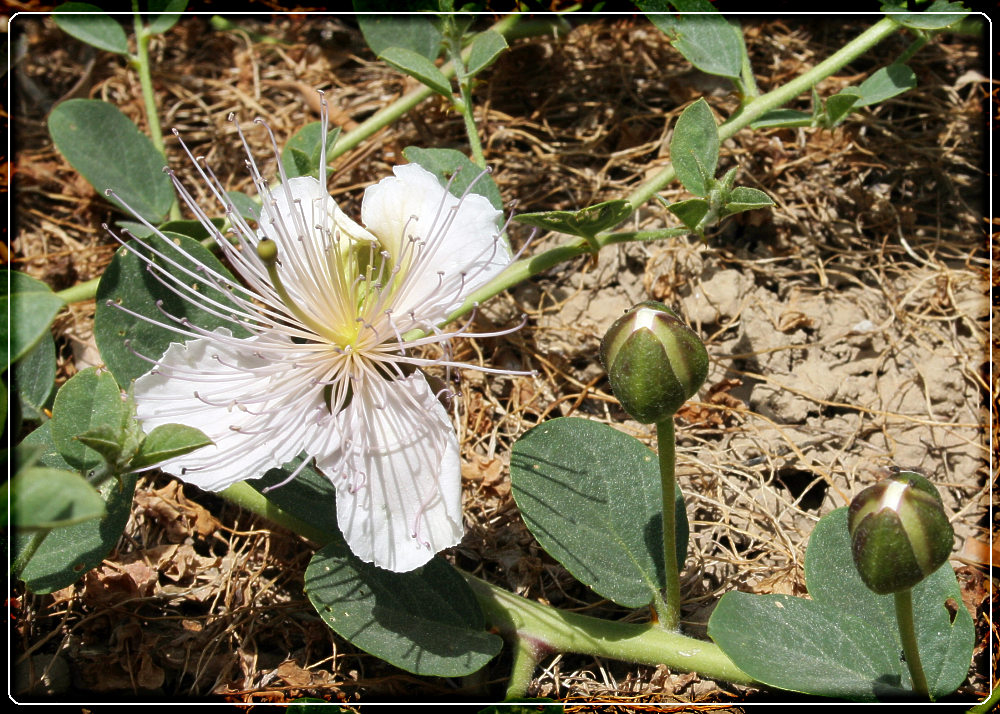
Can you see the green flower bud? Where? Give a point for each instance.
(899, 532)
(655, 362)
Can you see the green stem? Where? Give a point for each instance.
(142, 67)
(779, 97)
(549, 630)
(670, 619)
(527, 267)
(80, 291)
(464, 104)
(987, 706)
(748, 83)
(913, 48)
(401, 106)
(907, 633)
(248, 498)
(522, 670)
(471, 130)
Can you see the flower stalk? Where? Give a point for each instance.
(671, 617)
(903, 601)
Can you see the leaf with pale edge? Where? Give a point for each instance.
(591, 497)
(844, 642)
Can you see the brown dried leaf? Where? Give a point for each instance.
(172, 511)
(293, 674)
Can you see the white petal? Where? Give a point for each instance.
(414, 203)
(167, 396)
(308, 199)
(399, 495)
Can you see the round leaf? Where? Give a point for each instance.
(31, 305)
(591, 496)
(44, 498)
(426, 621)
(128, 283)
(110, 152)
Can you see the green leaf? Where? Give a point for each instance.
(839, 105)
(92, 26)
(301, 155)
(709, 42)
(449, 163)
(296, 162)
(485, 48)
(247, 208)
(34, 378)
(32, 305)
(886, 83)
(426, 621)
(167, 441)
(111, 153)
(136, 229)
(778, 118)
(844, 642)
(168, 12)
(591, 497)
(310, 496)
(690, 212)
(105, 440)
(415, 32)
(37, 448)
(67, 553)
(127, 282)
(43, 498)
(694, 147)
(587, 222)
(744, 198)
(417, 66)
(928, 19)
(89, 399)
(186, 227)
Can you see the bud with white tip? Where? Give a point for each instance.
(899, 532)
(655, 362)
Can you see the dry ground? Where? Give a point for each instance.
(847, 329)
